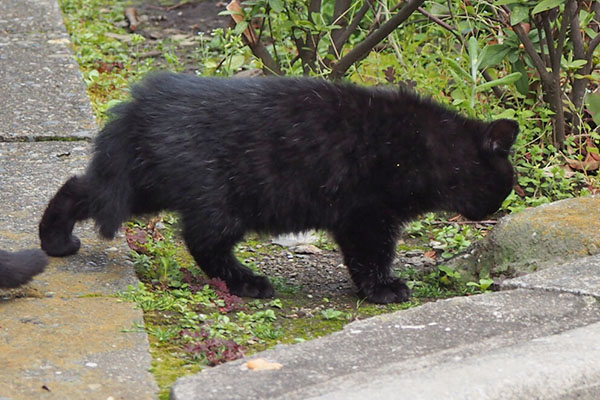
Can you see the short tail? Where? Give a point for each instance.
(103, 193)
(18, 268)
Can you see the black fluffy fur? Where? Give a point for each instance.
(18, 268)
(284, 155)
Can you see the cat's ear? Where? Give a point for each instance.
(500, 136)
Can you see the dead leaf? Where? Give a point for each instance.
(455, 218)
(131, 15)
(261, 364)
(306, 249)
(249, 73)
(238, 16)
(136, 239)
(593, 190)
(59, 41)
(390, 74)
(180, 37)
(103, 67)
(519, 191)
(122, 38)
(590, 145)
(568, 171)
(431, 254)
(589, 164)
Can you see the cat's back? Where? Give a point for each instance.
(263, 94)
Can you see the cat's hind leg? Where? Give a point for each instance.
(69, 205)
(368, 243)
(213, 251)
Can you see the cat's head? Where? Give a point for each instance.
(486, 176)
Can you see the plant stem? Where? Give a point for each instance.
(363, 48)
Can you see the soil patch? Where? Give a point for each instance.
(321, 274)
(187, 17)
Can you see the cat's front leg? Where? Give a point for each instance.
(368, 243)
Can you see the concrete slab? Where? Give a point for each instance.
(41, 16)
(73, 348)
(420, 339)
(66, 338)
(31, 174)
(43, 94)
(543, 368)
(580, 277)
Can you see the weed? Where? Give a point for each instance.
(332, 313)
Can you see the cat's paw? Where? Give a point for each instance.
(392, 291)
(61, 248)
(252, 286)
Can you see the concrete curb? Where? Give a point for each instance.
(415, 347)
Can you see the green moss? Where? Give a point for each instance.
(168, 366)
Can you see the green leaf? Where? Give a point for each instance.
(522, 84)
(576, 64)
(506, 80)
(276, 5)
(485, 283)
(593, 105)
(518, 15)
(475, 57)
(506, 2)
(454, 65)
(546, 5)
(236, 62)
(493, 55)
(230, 12)
(508, 113)
(240, 27)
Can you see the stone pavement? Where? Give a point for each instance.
(65, 338)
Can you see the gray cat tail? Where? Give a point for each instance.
(19, 267)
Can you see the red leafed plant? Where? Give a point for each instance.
(230, 302)
(213, 350)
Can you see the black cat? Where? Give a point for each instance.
(18, 268)
(284, 155)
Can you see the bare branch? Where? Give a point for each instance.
(577, 38)
(438, 21)
(307, 49)
(340, 17)
(530, 49)
(270, 67)
(363, 48)
(345, 35)
(538, 20)
(577, 85)
(570, 9)
(592, 46)
(596, 10)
